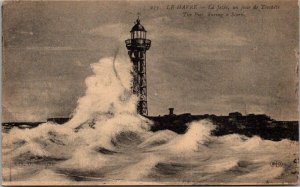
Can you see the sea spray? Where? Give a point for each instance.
(198, 133)
(106, 140)
(107, 109)
(106, 94)
(158, 138)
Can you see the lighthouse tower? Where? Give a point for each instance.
(137, 46)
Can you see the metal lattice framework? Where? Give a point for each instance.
(137, 47)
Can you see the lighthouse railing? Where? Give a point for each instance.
(138, 43)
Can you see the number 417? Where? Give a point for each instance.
(154, 7)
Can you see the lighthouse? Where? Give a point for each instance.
(137, 46)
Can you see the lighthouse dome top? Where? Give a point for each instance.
(138, 26)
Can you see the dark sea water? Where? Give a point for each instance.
(133, 156)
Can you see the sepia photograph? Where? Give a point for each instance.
(150, 92)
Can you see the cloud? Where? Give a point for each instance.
(7, 115)
(25, 32)
(164, 29)
(51, 48)
(118, 31)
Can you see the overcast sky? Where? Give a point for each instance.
(196, 64)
